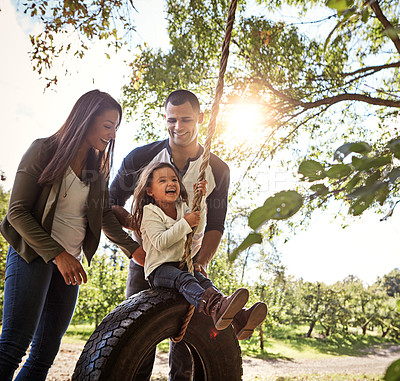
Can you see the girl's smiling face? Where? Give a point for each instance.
(165, 187)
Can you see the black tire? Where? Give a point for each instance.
(127, 334)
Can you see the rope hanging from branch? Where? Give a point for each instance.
(187, 258)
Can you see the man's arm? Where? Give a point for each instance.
(209, 246)
(217, 204)
(123, 216)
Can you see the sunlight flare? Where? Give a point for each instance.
(243, 123)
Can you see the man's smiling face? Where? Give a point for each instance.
(183, 124)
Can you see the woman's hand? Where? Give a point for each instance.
(192, 218)
(70, 268)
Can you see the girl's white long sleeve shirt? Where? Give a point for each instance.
(164, 237)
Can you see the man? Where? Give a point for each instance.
(183, 118)
(181, 149)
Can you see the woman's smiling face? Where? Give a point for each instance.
(102, 130)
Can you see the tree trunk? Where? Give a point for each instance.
(364, 329)
(385, 331)
(261, 338)
(327, 331)
(312, 325)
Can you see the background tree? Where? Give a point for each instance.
(386, 313)
(105, 288)
(313, 89)
(4, 199)
(71, 26)
(314, 81)
(391, 282)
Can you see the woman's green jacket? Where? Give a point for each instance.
(28, 223)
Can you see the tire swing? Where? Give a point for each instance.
(116, 349)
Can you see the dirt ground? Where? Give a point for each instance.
(373, 363)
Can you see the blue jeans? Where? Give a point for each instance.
(190, 286)
(180, 357)
(38, 307)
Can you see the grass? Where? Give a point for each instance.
(284, 343)
(289, 343)
(78, 333)
(318, 377)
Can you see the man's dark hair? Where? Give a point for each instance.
(179, 97)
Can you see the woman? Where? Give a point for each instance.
(58, 206)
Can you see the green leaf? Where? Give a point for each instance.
(364, 15)
(394, 145)
(278, 207)
(366, 191)
(367, 163)
(357, 161)
(342, 152)
(348, 148)
(250, 240)
(382, 194)
(352, 183)
(394, 174)
(311, 170)
(259, 216)
(392, 33)
(358, 206)
(320, 189)
(372, 179)
(381, 161)
(338, 171)
(347, 13)
(339, 5)
(393, 372)
(360, 147)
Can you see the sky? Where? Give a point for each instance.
(324, 252)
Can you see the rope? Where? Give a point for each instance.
(187, 258)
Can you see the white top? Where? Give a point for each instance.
(189, 178)
(70, 221)
(163, 237)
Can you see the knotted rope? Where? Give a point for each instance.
(187, 257)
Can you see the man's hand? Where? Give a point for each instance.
(209, 246)
(139, 255)
(70, 268)
(201, 268)
(201, 186)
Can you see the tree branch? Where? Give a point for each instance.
(374, 4)
(351, 97)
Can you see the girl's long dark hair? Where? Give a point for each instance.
(141, 198)
(64, 144)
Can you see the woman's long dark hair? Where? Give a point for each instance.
(141, 198)
(65, 143)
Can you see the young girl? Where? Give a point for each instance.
(162, 218)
